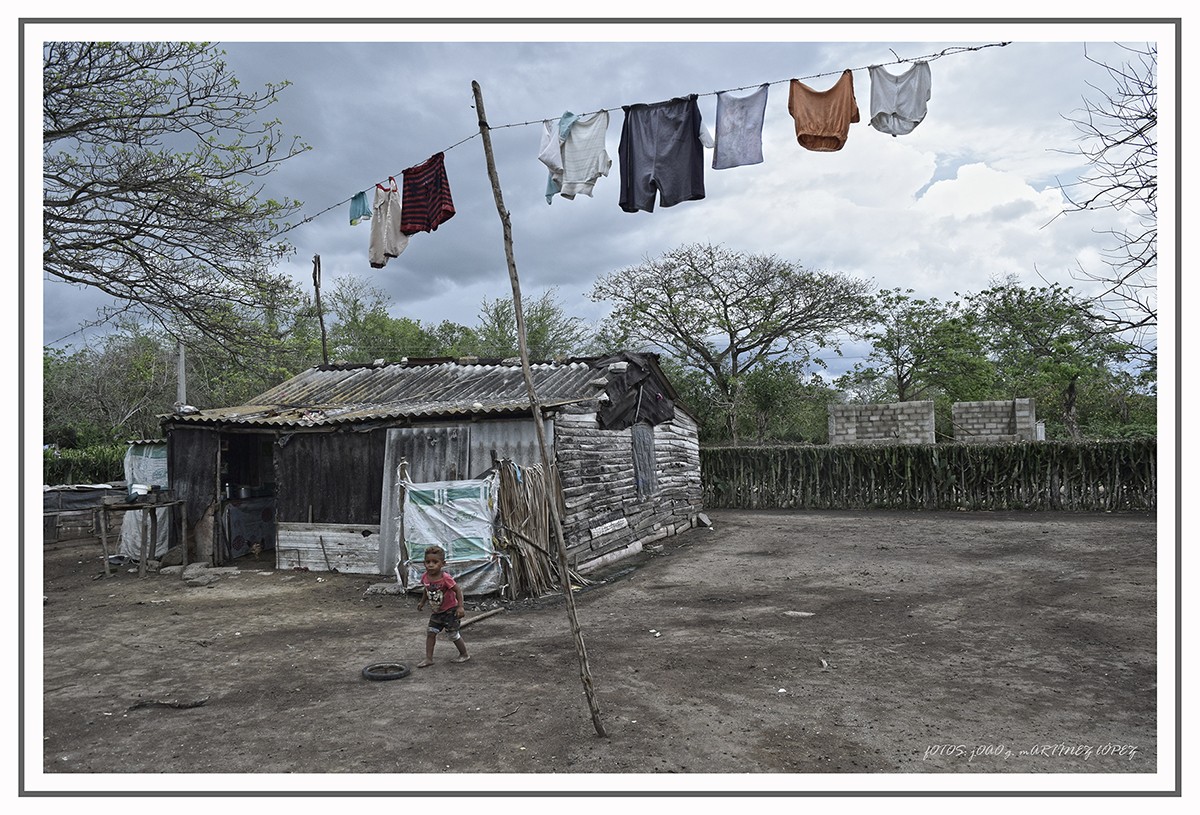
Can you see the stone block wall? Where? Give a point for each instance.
(994, 421)
(892, 423)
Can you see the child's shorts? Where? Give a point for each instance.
(447, 620)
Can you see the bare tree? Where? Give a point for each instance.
(1118, 137)
(151, 155)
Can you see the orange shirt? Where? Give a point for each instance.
(823, 118)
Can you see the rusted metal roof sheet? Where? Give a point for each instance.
(338, 394)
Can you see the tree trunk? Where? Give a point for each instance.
(1070, 420)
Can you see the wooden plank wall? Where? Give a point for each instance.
(605, 519)
(347, 548)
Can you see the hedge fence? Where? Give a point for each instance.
(1085, 476)
(89, 465)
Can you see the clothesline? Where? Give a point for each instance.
(926, 58)
(952, 50)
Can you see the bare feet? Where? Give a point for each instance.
(425, 663)
(461, 658)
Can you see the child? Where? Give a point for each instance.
(446, 597)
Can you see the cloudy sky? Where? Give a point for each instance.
(969, 196)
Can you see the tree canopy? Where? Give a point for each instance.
(550, 331)
(1047, 342)
(921, 348)
(724, 312)
(152, 155)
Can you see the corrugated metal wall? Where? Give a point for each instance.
(514, 439)
(192, 466)
(339, 476)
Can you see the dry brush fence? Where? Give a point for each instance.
(1086, 476)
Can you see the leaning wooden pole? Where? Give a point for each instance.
(585, 672)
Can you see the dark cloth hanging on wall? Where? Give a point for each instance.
(634, 395)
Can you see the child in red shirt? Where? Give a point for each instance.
(446, 598)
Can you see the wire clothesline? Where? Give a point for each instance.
(952, 50)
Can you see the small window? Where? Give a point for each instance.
(645, 473)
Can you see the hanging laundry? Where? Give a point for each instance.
(898, 101)
(660, 151)
(739, 129)
(550, 153)
(427, 202)
(823, 118)
(573, 150)
(359, 211)
(387, 239)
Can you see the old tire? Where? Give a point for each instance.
(382, 671)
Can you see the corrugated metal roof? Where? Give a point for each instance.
(339, 394)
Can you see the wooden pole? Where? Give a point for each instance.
(183, 530)
(142, 548)
(320, 311)
(585, 673)
(153, 553)
(104, 537)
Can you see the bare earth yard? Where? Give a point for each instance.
(775, 642)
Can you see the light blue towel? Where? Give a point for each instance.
(359, 209)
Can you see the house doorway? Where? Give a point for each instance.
(247, 513)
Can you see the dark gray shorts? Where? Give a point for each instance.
(447, 620)
(660, 151)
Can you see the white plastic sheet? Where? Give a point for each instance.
(459, 517)
(146, 464)
(136, 523)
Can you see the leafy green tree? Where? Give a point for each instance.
(550, 331)
(110, 393)
(781, 403)
(1047, 343)
(363, 330)
(723, 312)
(700, 397)
(152, 155)
(116, 388)
(278, 341)
(921, 347)
(451, 339)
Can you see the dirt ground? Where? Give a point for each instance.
(775, 642)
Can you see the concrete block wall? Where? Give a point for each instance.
(994, 421)
(892, 423)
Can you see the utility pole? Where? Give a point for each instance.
(320, 312)
(180, 376)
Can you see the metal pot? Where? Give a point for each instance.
(245, 492)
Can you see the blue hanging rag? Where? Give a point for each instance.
(360, 210)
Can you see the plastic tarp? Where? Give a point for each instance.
(248, 522)
(146, 464)
(79, 497)
(458, 516)
(131, 532)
